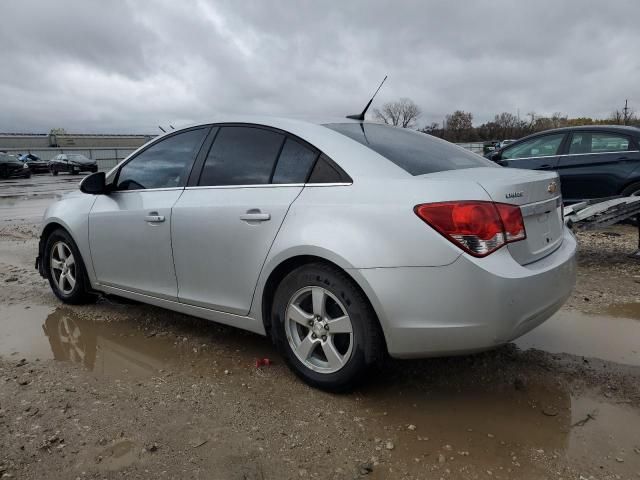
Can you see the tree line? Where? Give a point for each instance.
(458, 126)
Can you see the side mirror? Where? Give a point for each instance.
(94, 184)
(494, 156)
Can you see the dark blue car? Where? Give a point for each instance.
(592, 161)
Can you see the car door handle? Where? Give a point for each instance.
(154, 218)
(255, 216)
(546, 166)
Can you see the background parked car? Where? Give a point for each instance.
(73, 163)
(592, 161)
(35, 163)
(10, 166)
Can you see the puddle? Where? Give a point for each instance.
(25, 209)
(625, 310)
(120, 348)
(25, 201)
(503, 429)
(614, 337)
(117, 456)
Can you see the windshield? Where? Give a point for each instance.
(415, 152)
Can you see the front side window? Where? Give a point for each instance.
(416, 153)
(241, 156)
(165, 164)
(538, 147)
(591, 142)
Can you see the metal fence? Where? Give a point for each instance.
(106, 158)
(475, 147)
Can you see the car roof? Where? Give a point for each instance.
(628, 129)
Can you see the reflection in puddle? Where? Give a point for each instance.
(116, 349)
(611, 338)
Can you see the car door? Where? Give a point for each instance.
(225, 223)
(130, 228)
(538, 153)
(64, 163)
(597, 164)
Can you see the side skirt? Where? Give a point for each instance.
(238, 321)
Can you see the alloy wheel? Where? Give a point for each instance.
(319, 330)
(63, 267)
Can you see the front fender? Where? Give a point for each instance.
(72, 214)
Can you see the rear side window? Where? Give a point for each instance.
(591, 142)
(415, 152)
(164, 164)
(241, 156)
(294, 163)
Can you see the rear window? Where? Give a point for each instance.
(417, 153)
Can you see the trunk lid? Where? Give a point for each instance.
(538, 195)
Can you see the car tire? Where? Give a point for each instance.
(65, 269)
(54, 171)
(632, 190)
(325, 353)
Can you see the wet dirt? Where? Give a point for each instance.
(127, 390)
(452, 415)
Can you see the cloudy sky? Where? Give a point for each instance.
(121, 66)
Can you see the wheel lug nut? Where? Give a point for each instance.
(326, 327)
(313, 335)
(324, 338)
(311, 323)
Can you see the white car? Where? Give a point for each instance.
(341, 241)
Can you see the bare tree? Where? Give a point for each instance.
(402, 113)
(459, 126)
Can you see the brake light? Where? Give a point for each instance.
(478, 227)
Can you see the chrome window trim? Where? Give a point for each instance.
(266, 185)
(167, 189)
(572, 155)
(259, 185)
(334, 184)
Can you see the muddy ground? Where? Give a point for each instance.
(119, 390)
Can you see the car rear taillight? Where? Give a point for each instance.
(478, 227)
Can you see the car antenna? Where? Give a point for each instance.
(360, 116)
(163, 130)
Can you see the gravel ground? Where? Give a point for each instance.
(153, 394)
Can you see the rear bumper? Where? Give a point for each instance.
(471, 304)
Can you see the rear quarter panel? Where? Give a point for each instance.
(369, 224)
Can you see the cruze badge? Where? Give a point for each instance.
(514, 195)
(552, 187)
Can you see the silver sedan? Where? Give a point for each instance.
(342, 241)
